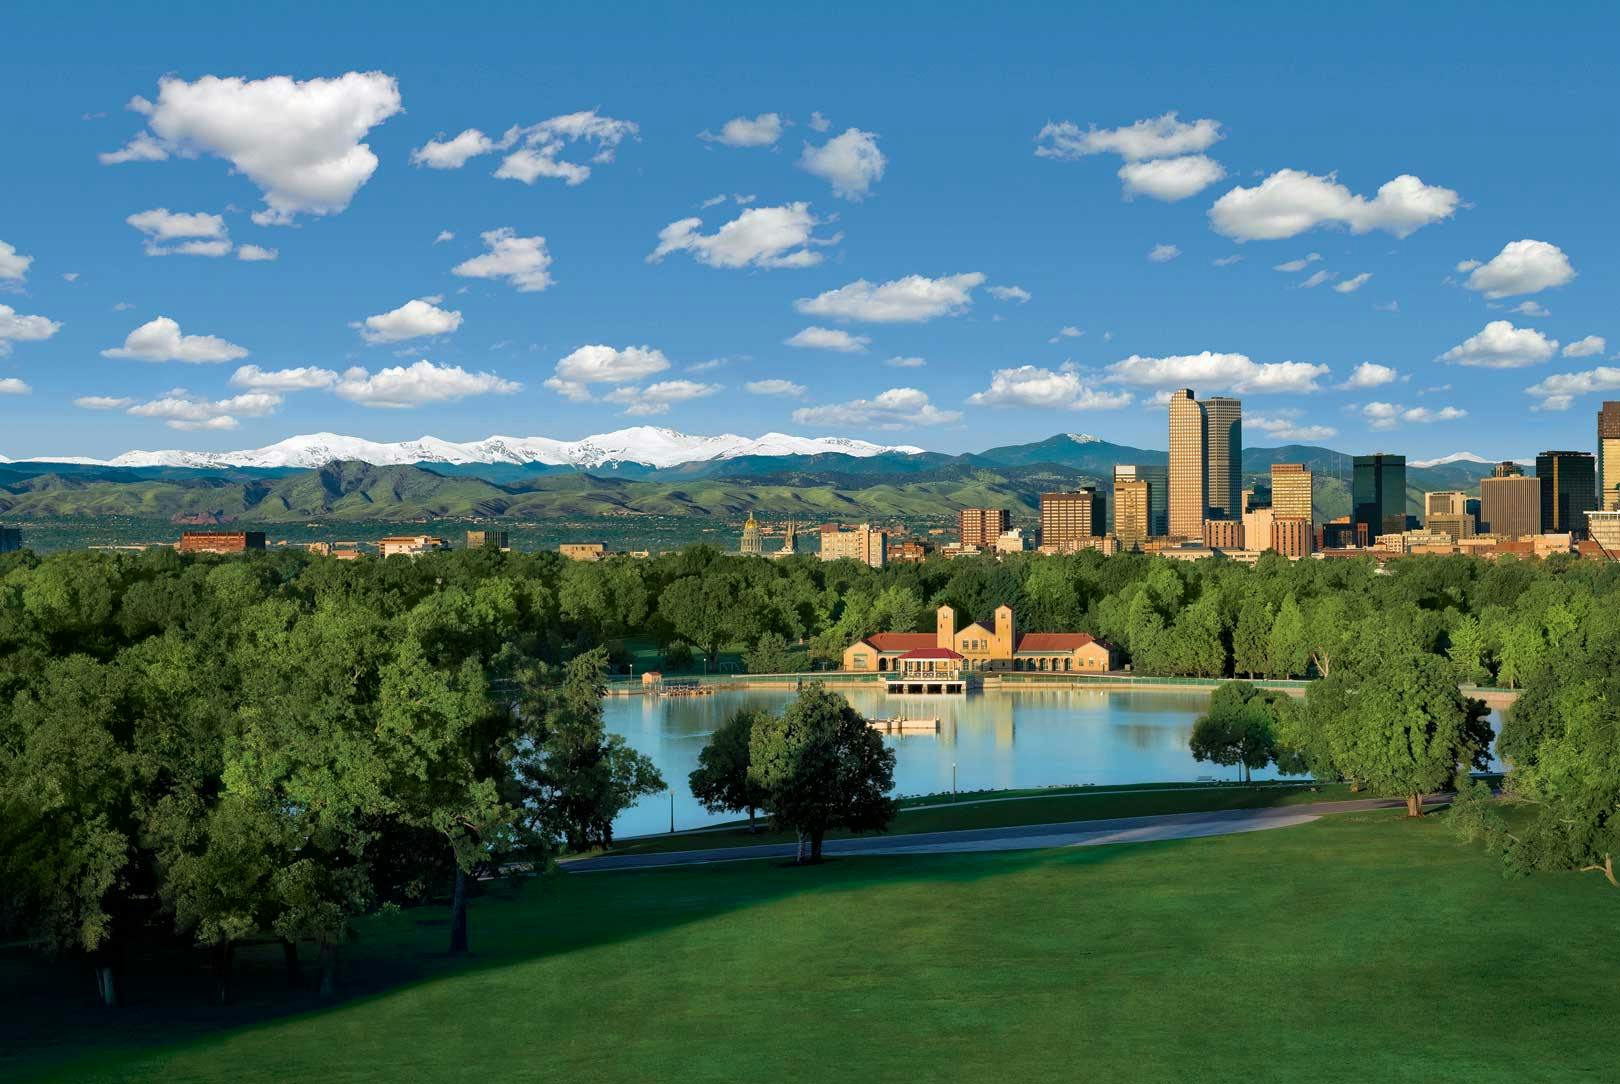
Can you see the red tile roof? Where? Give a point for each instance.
(1055, 641)
(902, 641)
(931, 653)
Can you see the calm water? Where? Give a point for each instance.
(996, 740)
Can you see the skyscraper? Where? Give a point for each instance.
(1378, 493)
(1189, 484)
(982, 526)
(1068, 518)
(1157, 476)
(1444, 502)
(1133, 502)
(1568, 490)
(1510, 506)
(1608, 456)
(1291, 491)
(1223, 457)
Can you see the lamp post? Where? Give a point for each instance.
(671, 810)
(953, 779)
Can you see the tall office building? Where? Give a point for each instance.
(1068, 519)
(1291, 491)
(1223, 457)
(1133, 502)
(1189, 483)
(1157, 476)
(1507, 469)
(863, 543)
(1378, 494)
(1510, 506)
(1608, 456)
(1568, 490)
(982, 526)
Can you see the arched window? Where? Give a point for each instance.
(883, 664)
(1068, 664)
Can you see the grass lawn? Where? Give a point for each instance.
(1359, 948)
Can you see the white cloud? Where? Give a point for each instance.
(70, 276)
(180, 409)
(1585, 348)
(12, 386)
(1531, 308)
(1163, 253)
(598, 364)
(300, 142)
(1389, 415)
(1299, 264)
(1008, 293)
(411, 320)
(522, 261)
(1354, 283)
(18, 328)
(256, 253)
(122, 306)
(767, 237)
(1370, 374)
(1467, 265)
(910, 300)
(1502, 346)
(775, 387)
(13, 264)
(415, 385)
(1558, 391)
(897, 408)
(1157, 137)
(657, 398)
(303, 378)
(1290, 202)
(761, 131)
(1224, 372)
(444, 235)
(175, 233)
(1317, 278)
(1031, 386)
(1170, 179)
(1391, 306)
(161, 340)
(1522, 267)
(1067, 331)
(905, 363)
(1285, 426)
(851, 163)
(102, 402)
(818, 122)
(1227, 261)
(827, 338)
(536, 149)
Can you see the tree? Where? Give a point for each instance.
(1251, 638)
(1468, 649)
(821, 767)
(722, 781)
(772, 655)
(1239, 728)
(1287, 653)
(700, 609)
(1196, 639)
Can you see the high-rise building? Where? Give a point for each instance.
(1604, 529)
(1444, 502)
(1460, 525)
(861, 543)
(1510, 506)
(1292, 488)
(1291, 536)
(10, 539)
(1189, 482)
(982, 526)
(1378, 493)
(1568, 490)
(495, 540)
(753, 539)
(1223, 534)
(1068, 518)
(1157, 476)
(1133, 503)
(1257, 528)
(1507, 469)
(1223, 457)
(1608, 456)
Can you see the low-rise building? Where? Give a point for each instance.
(1107, 545)
(220, 541)
(583, 551)
(1224, 534)
(410, 545)
(489, 539)
(909, 550)
(1011, 541)
(1291, 536)
(979, 647)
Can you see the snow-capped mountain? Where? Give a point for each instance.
(647, 445)
(1461, 457)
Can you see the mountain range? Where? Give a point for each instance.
(641, 471)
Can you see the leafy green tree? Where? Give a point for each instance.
(1240, 728)
(1468, 650)
(1251, 639)
(822, 767)
(772, 655)
(722, 782)
(701, 611)
(1287, 651)
(1196, 639)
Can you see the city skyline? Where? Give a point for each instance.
(470, 242)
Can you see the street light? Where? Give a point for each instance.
(953, 779)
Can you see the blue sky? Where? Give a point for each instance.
(1500, 117)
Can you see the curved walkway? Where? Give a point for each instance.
(1023, 837)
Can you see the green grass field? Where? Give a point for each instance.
(1362, 947)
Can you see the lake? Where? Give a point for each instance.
(996, 740)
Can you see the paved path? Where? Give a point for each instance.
(1018, 838)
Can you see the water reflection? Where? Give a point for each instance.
(995, 740)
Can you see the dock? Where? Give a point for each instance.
(902, 725)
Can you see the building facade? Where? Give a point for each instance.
(487, 539)
(1223, 457)
(1223, 534)
(753, 539)
(1257, 523)
(1603, 527)
(1568, 490)
(1444, 502)
(1378, 493)
(863, 544)
(998, 646)
(1157, 476)
(583, 551)
(1133, 511)
(1460, 525)
(1188, 497)
(410, 545)
(1608, 456)
(1510, 506)
(1291, 536)
(982, 526)
(1293, 487)
(1069, 518)
(220, 541)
